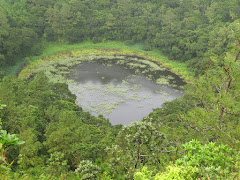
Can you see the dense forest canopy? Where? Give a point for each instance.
(193, 137)
(189, 30)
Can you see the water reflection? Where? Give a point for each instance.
(120, 93)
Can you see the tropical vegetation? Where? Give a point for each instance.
(45, 135)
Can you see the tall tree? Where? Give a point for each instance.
(4, 28)
(215, 101)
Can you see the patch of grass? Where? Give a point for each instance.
(89, 47)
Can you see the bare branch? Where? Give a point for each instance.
(237, 56)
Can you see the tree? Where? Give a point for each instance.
(86, 170)
(78, 141)
(6, 141)
(211, 161)
(4, 27)
(222, 38)
(29, 153)
(207, 161)
(214, 99)
(136, 145)
(64, 22)
(220, 11)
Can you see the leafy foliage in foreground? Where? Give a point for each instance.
(6, 141)
(211, 161)
(207, 161)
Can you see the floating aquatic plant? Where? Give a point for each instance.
(162, 81)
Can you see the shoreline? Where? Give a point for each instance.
(55, 52)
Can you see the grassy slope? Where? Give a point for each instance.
(56, 51)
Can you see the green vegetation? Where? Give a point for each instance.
(66, 53)
(200, 161)
(211, 161)
(197, 38)
(189, 31)
(6, 141)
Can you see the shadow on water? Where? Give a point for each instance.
(121, 89)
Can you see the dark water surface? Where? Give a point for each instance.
(121, 91)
